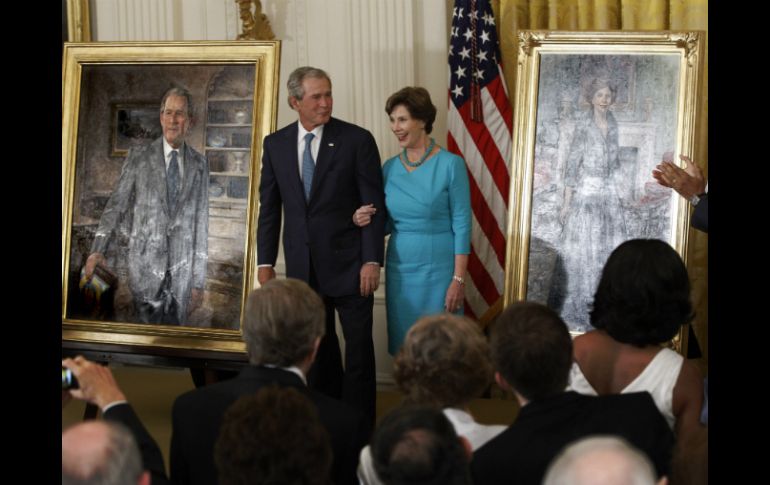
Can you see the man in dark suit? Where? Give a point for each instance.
(282, 327)
(97, 386)
(532, 352)
(164, 190)
(319, 170)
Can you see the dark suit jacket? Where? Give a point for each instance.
(151, 455)
(197, 417)
(521, 454)
(700, 216)
(161, 236)
(348, 174)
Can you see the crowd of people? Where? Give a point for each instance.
(614, 396)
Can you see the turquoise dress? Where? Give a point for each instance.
(429, 217)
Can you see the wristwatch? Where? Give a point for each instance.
(694, 199)
(458, 279)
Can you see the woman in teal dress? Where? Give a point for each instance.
(427, 196)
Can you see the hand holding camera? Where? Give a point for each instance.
(95, 383)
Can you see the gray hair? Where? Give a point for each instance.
(283, 318)
(617, 462)
(297, 77)
(118, 462)
(182, 93)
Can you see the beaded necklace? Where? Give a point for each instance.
(422, 158)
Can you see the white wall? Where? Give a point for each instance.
(370, 48)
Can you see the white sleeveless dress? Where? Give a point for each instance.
(658, 378)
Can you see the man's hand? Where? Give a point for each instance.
(265, 274)
(97, 384)
(91, 262)
(370, 278)
(196, 298)
(687, 182)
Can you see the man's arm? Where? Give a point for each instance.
(269, 224)
(98, 387)
(370, 187)
(113, 211)
(201, 238)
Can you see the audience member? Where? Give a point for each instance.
(282, 327)
(99, 452)
(273, 437)
(601, 460)
(532, 353)
(418, 445)
(444, 362)
(690, 184)
(642, 301)
(97, 386)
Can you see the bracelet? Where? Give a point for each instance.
(458, 279)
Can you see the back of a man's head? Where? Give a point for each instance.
(273, 437)
(418, 445)
(282, 321)
(532, 350)
(601, 460)
(100, 453)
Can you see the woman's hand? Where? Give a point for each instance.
(455, 295)
(363, 215)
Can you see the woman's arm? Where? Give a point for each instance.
(455, 294)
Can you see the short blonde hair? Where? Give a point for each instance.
(445, 361)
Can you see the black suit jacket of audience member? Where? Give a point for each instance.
(700, 215)
(197, 418)
(521, 454)
(152, 458)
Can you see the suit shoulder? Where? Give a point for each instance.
(350, 128)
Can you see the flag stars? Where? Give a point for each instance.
(458, 91)
(460, 72)
(465, 53)
(482, 56)
(484, 36)
(455, 32)
(473, 15)
(488, 19)
(479, 74)
(468, 34)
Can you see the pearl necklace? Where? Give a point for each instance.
(422, 158)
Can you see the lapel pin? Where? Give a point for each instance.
(331, 144)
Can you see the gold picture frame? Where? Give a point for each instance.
(556, 241)
(234, 87)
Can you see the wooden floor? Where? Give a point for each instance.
(152, 392)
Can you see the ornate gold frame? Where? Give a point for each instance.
(533, 45)
(264, 57)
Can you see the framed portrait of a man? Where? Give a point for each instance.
(160, 163)
(595, 113)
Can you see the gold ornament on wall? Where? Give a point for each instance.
(255, 25)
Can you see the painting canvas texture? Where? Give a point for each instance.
(603, 123)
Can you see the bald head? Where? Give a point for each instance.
(100, 453)
(601, 460)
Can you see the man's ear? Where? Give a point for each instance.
(144, 479)
(502, 382)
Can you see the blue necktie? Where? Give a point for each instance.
(172, 179)
(308, 166)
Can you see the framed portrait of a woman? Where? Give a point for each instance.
(595, 113)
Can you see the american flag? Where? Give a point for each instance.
(480, 124)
